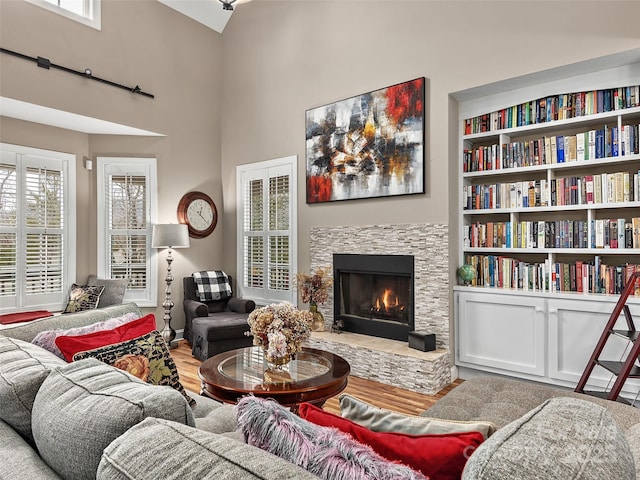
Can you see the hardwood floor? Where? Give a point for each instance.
(378, 394)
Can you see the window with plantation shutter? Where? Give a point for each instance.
(267, 229)
(86, 12)
(127, 213)
(37, 228)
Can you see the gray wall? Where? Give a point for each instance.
(240, 97)
(284, 57)
(141, 42)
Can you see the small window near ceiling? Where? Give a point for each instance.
(83, 11)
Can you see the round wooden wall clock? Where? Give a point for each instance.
(198, 212)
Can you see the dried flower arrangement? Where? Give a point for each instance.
(280, 329)
(314, 289)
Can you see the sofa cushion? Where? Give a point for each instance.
(325, 452)
(191, 453)
(564, 438)
(83, 297)
(18, 459)
(83, 406)
(47, 338)
(220, 420)
(380, 420)
(437, 456)
(114, 289)
(28, 331)
(70, 345)
(146, 357)
(23, 368)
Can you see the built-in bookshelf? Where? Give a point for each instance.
(549, 217)
(551, 193)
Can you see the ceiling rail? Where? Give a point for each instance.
(46, 63)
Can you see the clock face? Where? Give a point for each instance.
(200, 214)
(197, 210)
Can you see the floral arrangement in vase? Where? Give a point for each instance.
(280, 329)
(314, 290)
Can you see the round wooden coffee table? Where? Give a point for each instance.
(313, 376)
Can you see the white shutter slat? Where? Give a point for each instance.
(8, 229)
(127, 229)
(279, 203)
(37, 227)
(44, 239)
(266, 224)
(279, 271)
(129, 259)
(44, 263)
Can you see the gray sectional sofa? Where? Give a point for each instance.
(87, 420)
(90, 420)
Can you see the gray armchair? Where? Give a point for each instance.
(215, 326)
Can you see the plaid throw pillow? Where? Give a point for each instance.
(212, 285)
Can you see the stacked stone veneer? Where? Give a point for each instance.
(422, 372)
(429, 244)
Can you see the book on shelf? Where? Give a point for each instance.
(548, 150)
(497, 271)
(557, 107)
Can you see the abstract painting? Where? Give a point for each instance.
(371, 145)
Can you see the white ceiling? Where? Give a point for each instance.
(30, 112)
(207, 12)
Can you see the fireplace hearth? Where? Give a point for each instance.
(374, 294)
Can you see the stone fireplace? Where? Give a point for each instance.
(382, 359)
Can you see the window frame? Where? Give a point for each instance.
(93, 19)
(134, 166)
(54, 301)
(260, 170)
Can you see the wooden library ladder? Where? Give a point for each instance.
(621, 369)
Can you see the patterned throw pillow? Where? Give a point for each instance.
(83, 297)
(323, 451)
(146, 357)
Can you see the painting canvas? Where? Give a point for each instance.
(371, 145)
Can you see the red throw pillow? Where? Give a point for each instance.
(438, 456)
(69, 345)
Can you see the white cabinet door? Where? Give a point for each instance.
(502, 332)
(574, 329)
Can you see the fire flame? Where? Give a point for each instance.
(386, 301)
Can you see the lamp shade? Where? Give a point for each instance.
(170, 235)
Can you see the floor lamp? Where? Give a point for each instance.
(169, 235)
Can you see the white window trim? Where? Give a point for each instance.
(69, 235)
(150, 298)
(95, 21)
(241, 170)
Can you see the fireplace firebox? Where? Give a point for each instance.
(373, 294)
